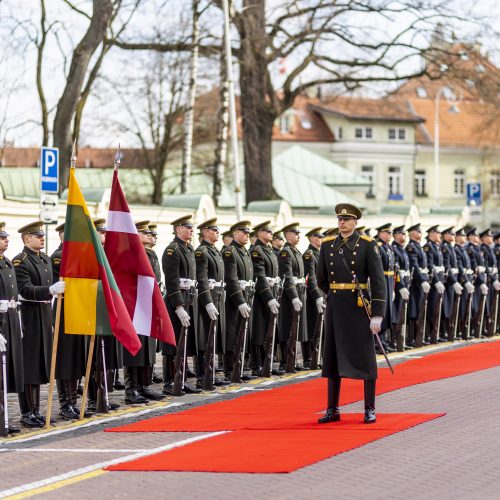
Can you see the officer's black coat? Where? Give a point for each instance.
(70, 361)
(450, 263)
(490, 261)
(155, 263)
(434, 258)
(476, 259)
(209, 265)
(388, 261)
(10, 328)
(402, 263)
(237, 266)
(311, 257)
(265, 264)
(290, 265)
(178, 262)
(34, 276)
(349, 344)
(418, 261)
(463, 264)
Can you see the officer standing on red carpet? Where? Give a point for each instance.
(349, 345)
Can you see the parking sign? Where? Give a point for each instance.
(474, 194)
(49, 170)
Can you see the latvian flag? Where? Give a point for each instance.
(133, 272)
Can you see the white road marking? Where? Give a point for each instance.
(71, 450)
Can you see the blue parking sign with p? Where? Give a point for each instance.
(49, 166)
(474, 194)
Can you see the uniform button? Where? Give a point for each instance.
(352, 262)
(354, 253)
(331, 272)
(331, 263)
(331, 255)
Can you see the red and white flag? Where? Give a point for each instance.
(133, 272)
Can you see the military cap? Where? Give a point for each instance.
(35, 228)
(252, 234)
(433, 229)
(398, 230)
(471, 231)
(185, 220)
(152, 228)
(496, 236)
(209, 224)
(448, 230)
(60, 227)
(367, 231)
(415, 227)
(315, 232)
(143, 227)
(460, 232)
(361, 229)
(278, 235)
(486, 232)
(331, 232)
(347, 210)
(291, 228)
(100, 224)
(384, 227)
(3, 234)
(242, 225)
(227, 233)
(263, 226)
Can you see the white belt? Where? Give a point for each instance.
(244, 284)
(469, 271)
(480, 269)
(404, 274)
(212, 284)
(273, 281)
(186, 283)
(495, 269)
(298, 281)
(453, 270)
(36, 301)
(10, 304)
(423, 270)
(439, 269)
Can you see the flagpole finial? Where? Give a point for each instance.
(117, 157)
(73, 155)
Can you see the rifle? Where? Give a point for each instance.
(267, 366)
(180, 355)
(4, 411)
(455, 310)
(209, 378)
(241, 340)
(436, 324)
(468, 308)
(403, 316)
(482, 307)
(294, 332)
(493, 323)
(316, 340)
(420, 323)
(100, 378)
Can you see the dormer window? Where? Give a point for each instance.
(363, 133)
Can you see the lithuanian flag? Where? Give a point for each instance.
(93, 304)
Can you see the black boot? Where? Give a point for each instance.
(117, 383)
(332, 413)
(144, 381)
(66, 409)
(370, 417)
(132, 395)
(306, 354)
(168, 375)
(35, 397)
(26, 407)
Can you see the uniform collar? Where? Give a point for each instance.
(261, 243)
(181, 241)
(350, 242)
(289, 245)
(31, 252)
(313, 248)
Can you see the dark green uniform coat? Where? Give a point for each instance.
(265, 264)
(311, 257)
(349, 344)
(10, 328)
(70, 364)
(34, 276)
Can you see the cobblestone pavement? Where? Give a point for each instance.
(455, 456)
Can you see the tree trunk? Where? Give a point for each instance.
(189, 115)
(39, 66)
(66, 107)
(257, 113)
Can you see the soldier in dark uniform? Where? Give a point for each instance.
(277, 242)
(10, 330)
(436, 269)
(70, 362)
(496, 251)
(465, 278)
(420, 278)
(490, 261)
(478, 266)
(349, 346)
(238, 272)
(210, 281)
(179, 268)
(291, 266)
(383, 237)
(315, 303)
(452, 286)
(36, 288)
(402, 276)
(265, 305)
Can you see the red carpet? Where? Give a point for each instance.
(295, 405)
(275, 451)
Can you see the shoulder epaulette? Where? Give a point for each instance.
(328, 238)
(366, 238)
(19, 258)
(284, 253)
(200, 250)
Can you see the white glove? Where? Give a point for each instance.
(320, 304)
(297, 304)
(484, 288)
(469, 287)
(376, 324)
(183, 315)
(274, 305)
(405, 293)
(57, 288)
(439, 287)
(244, 310)
(496, 285)
(458, 288)
(3, 343)
(4, 306)
(212, 311)
(425, 286)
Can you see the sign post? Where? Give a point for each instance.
(49, 188)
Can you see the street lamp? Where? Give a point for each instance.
(453, 102)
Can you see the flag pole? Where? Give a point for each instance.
(87, 376)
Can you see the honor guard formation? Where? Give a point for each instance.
(247, 303)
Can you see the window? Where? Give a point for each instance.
(285, 122)
(392, 134)
(397, 134)
(401, 134)
(340, 133)
(459, 182)
(420, 183)
(395, 183)
(359, 133)
(368, 133)
(421, 92)
(495, 183)
(368, 173)
(363, 133)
